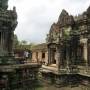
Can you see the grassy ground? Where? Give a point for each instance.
(63, 88)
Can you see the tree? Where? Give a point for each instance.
(23, 42)
(15, 41)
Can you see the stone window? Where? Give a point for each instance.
(43, 55)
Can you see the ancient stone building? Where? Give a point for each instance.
(8, 23)
(68, 45)
(13, 76)
(68, 40)
(40, 53)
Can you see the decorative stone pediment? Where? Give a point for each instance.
(65, 19)
(54, 28)
(63, 14)
(54, 33)
(88, 11)
(4, 4)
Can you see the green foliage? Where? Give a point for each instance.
(66, 33)
(21, 44)
(15, 41)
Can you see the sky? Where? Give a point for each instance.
(35, 17)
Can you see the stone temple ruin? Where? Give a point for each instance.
(8, 23)
(13, 75)
(68, 45)
(68, 39)
(67, 52)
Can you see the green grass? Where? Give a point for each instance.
(40, 88)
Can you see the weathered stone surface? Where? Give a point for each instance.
(68, 34)
(3, 4)
(8, 23)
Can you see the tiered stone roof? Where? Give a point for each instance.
(40, 47)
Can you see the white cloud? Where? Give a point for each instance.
(36, 16)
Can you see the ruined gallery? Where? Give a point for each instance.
(68, 49)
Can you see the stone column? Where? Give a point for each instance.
(6, 41)
(10, 42)
(85, 51)
(49, 55)
(85, 54)
(52, 56)
(1, 39)
(68, 58)
(58, 57)
(46, 58)
(3, 42)
(2, 45)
